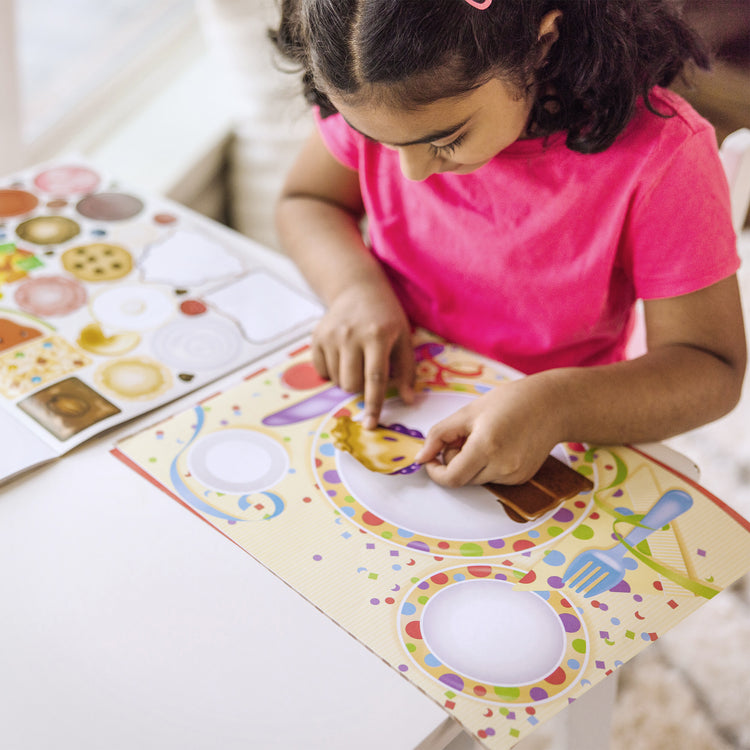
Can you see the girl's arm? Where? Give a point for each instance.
(691, 375)
(364, 337)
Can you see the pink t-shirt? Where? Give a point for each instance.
(536, 259)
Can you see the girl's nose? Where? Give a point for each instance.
(417, 163)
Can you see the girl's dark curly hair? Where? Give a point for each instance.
(609, 53)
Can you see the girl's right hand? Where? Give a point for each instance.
(362, 343)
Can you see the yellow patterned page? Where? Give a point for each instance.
(473, 607)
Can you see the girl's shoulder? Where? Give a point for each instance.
(665, 122)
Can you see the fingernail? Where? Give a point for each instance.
(370, 422)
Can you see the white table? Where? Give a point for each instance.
(127, 622)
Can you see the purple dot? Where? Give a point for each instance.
(332, 477)
(403, 668)
(564, 515)
(637, 598)
(423, 585)
(496, 543)
(490, 732)
(538, 694)
(621, 588)
(453, 681)
(555, 582)
(317, 558)
(374, 601)
(570, 622)
(421, 546)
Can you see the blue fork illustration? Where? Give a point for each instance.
(597, 570)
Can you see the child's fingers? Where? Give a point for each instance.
(350, 376)
(377, 358)
(440, 436)
(404, 369)
(324, 367)
(463, 469)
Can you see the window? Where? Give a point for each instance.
(73, 68)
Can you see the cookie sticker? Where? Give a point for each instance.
(98, 261)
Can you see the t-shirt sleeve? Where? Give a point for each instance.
(339, 138)
(680, 237)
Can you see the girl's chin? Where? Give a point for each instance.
(463, 168)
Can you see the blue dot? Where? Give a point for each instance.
(405, 534)
(408, 609)
(574, 663)
(431, 661)
(459, 577)
(327, 449)
(555, 558)
(348, 511)
(534, 534)
(615, 621)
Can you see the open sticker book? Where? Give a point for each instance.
(113, 303)
(501, 621)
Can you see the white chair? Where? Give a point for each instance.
(735, 156)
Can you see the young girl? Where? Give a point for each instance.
(525, 178)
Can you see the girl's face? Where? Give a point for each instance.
(457, 134)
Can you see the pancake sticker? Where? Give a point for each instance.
(386, 449)
(98, 261)
(134, 378)
(41, 361)
(49, 296)
(48, 230)
(66, 408)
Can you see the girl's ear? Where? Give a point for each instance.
(548, 33)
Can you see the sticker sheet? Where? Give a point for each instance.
(500, 621)
(112, 303)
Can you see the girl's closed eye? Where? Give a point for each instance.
(448, 148)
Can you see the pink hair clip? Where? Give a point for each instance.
(480, 5)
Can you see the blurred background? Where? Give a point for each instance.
(177, 94)
(184, 98)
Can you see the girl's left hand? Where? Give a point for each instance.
(503, 436)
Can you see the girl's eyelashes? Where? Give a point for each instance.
(448, 148)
